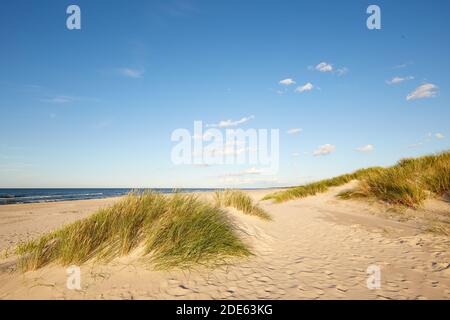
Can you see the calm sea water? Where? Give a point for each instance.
(11, 196)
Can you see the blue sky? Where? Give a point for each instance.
(96, 107)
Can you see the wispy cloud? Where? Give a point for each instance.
(324, 67)
(247, 172)
(179, 8)
(63, 99)
(366, 148)
(101, 124)
(427, 139)
(131, 73)
(415, 145)
(324, 150)
(341, 71)
(249, 180)
(287, 82)
(294, 130)
(231, 123)
(33, 87)
(60, 99)
(306, 87)
(402, 65)
(397, 80)
(427, 90)
(227, 150)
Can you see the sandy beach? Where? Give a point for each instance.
(318, 247)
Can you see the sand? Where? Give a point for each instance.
(316, 248)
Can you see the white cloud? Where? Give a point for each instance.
(131, 73)
(397, 80)
(415, 145)
(428, 138)
(231, 123)
(328, 67)
(367, 148)
(324, 67)
(306, 87)
(427, 90)
(287, 82)
(326, 149)
(294, 130)
(342, 71)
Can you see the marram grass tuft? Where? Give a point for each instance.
(174, 231)
(314, 188)
(408, 183)
(241, 201)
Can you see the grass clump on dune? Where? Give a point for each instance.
(241, 201)
(313, 188)
(173, 231)
(391, 186)
(409, 182)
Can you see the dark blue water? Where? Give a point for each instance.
(12, 196)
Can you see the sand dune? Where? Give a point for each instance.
(315, 248)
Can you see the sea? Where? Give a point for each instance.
(14, 196)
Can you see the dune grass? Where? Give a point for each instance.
(408, 183)
(173, 230)
(313, 188)
(241, 201)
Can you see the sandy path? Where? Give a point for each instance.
(316, 248)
